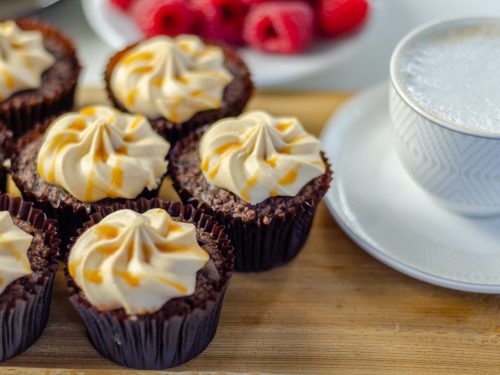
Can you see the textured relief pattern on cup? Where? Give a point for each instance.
(457, 168)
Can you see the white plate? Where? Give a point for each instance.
(23, 7)
(118, 30)
(382, 209)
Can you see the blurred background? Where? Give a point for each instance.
(364, 62)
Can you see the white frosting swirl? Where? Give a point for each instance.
(99, 153)
(14, 245)
(172, 78)
(257, 156)
(23, 59)
(137, 262)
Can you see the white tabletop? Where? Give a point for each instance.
(365, 67)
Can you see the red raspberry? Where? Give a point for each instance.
(280, 27)
(254, 2)
(337, 17)
(220, 20)
(122, 5)
(165, 17)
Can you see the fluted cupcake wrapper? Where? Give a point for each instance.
(6, 150)
(22, 323)
(236, 96)
(156, 341)
(259, 246)
(22, 115)
(150, 343)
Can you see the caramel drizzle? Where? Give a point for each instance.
(8, 247)
(72, 266)
(227, 147)
(273, 161)
(9, 80)
(107, 250)
(16, 45)
(204, 165)
(185, 46)
(94, 276)
(140, 56)
(158, 82)
(172, 227)
(57, 144)
(131, 97)
(89, 190)
(283, 126)
(100, 152)
(230, 146)
(180, 287)
(135, 123)
(89, 111)
(131, 279)
(290, 177)
(245, 193)
(129, 138)
(174, 116)
(78, 125)
(200, 94)
(117, 175)
(142, 69)
(169, 248)
(106, 232)
(183, 79)
(214, 171)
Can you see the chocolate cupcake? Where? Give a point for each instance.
(262, 177)
(78, 162)
(28, 251)
(148, 279)
(179, 83)
(39, 73)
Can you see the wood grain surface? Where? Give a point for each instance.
(334, 309)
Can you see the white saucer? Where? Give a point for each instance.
(118, 30)
(383, 210)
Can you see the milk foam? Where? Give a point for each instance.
(455, 75)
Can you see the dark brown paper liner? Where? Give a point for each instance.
(156, 341)
(22, 115)
(259, 246)
(236, 96)
(22, 323)
(69, 217)
(6, 150)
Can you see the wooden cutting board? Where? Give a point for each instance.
(334, 309)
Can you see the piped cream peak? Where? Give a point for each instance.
(257, 156)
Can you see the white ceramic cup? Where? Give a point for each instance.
(457, 166)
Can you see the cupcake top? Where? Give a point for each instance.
(100, 153)
(136, 261)
(23, 59)
(256, 156)
(14, 245)
(173, 78)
